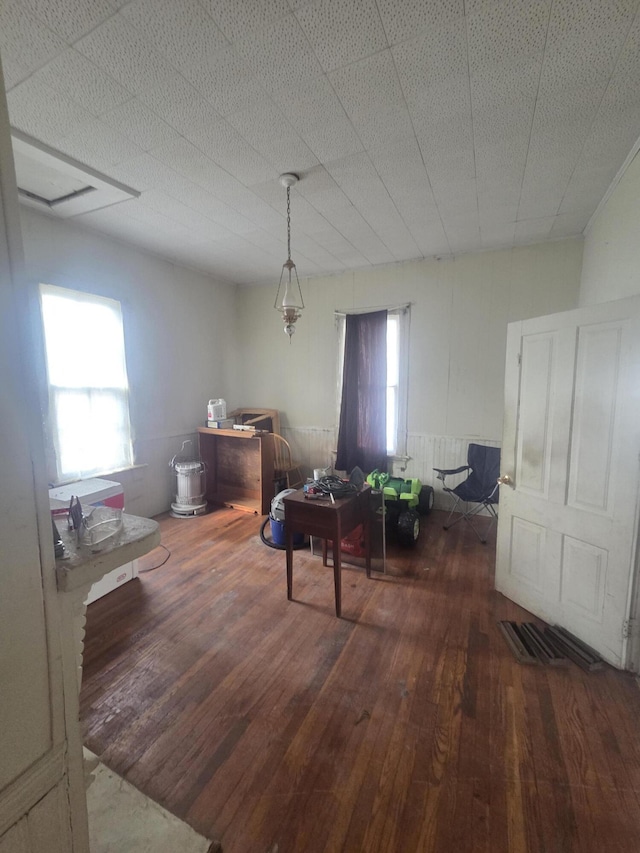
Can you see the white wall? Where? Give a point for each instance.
(189, 338)
(611, 265)
(180, 340)
(459, 315)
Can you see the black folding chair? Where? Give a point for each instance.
(480, 489)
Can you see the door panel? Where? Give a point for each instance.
(596, 392)
(534, 457)
(567, 529)
(583, 576)
(528, 552)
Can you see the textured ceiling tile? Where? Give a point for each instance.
(72, 74)
(580, 62)
(443, 103)
(400, 242)
(402, 170)
(315, 180)
(157, 221)
(357, 178)
(489, 212)
(341, 33)
(496, 234)
(280, 55)
(403, 20)
(426, 229)
(24, 39)
(586, 188)
(432, 59)
(42, 112)
(115, 222)
(98, 145)
(276, 248)
(71, 19)
(547, 170)
(456, 190)
(182, 32)
(497, 155)
(143, 172)
(506, 32)
(445, 169)
(317, 255)
(124, 53)
(139, 123)
(570, 110)
(187, 160)
(315, 112)
(628, 64)
(570, 224)
(463, 235)
(247, 203)
(447, 148)
(538, 201)
(203, 202)
(179, 104)
(237, 18)
(589, 18)
(225, 82)
(359, 233)
(328, 201)
(14, 71)
(617, 123)
(544, 140)
(373, 100)
(507, 86)
(216, 138)
(267, 130)
(530, 230)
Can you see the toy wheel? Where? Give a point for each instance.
(425, 500)
(408, 528)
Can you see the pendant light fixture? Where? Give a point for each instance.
(289, 300)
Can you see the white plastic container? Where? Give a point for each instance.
(95, 492)
(216, 410)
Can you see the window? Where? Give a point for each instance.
(88, 387)
(397, 376)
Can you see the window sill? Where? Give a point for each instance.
(110, 473)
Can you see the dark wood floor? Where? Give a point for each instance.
(404, 726)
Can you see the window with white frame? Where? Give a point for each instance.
(397, 376)
(88, 386)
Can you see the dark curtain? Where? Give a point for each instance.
(362, 437)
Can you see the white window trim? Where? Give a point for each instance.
(125, 462)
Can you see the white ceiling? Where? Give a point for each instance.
(419, 127)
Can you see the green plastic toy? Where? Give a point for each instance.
(405, 501)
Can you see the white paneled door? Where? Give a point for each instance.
(568, 524)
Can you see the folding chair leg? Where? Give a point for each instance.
(494, 519)
(446, 525)
(467, 515)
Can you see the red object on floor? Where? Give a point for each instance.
(354, 543)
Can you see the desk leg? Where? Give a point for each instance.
(367, 542)
(337, 572)
(289, 540)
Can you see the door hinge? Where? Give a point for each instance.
(519, 358)
(629, 628)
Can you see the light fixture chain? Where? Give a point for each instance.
(289, 222)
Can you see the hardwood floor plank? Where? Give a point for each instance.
(405, 727)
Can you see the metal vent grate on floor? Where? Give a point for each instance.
(530, 644)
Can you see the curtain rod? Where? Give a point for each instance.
(402, 307)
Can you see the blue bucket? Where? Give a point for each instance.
(279, 536)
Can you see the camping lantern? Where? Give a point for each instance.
(190, 477)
